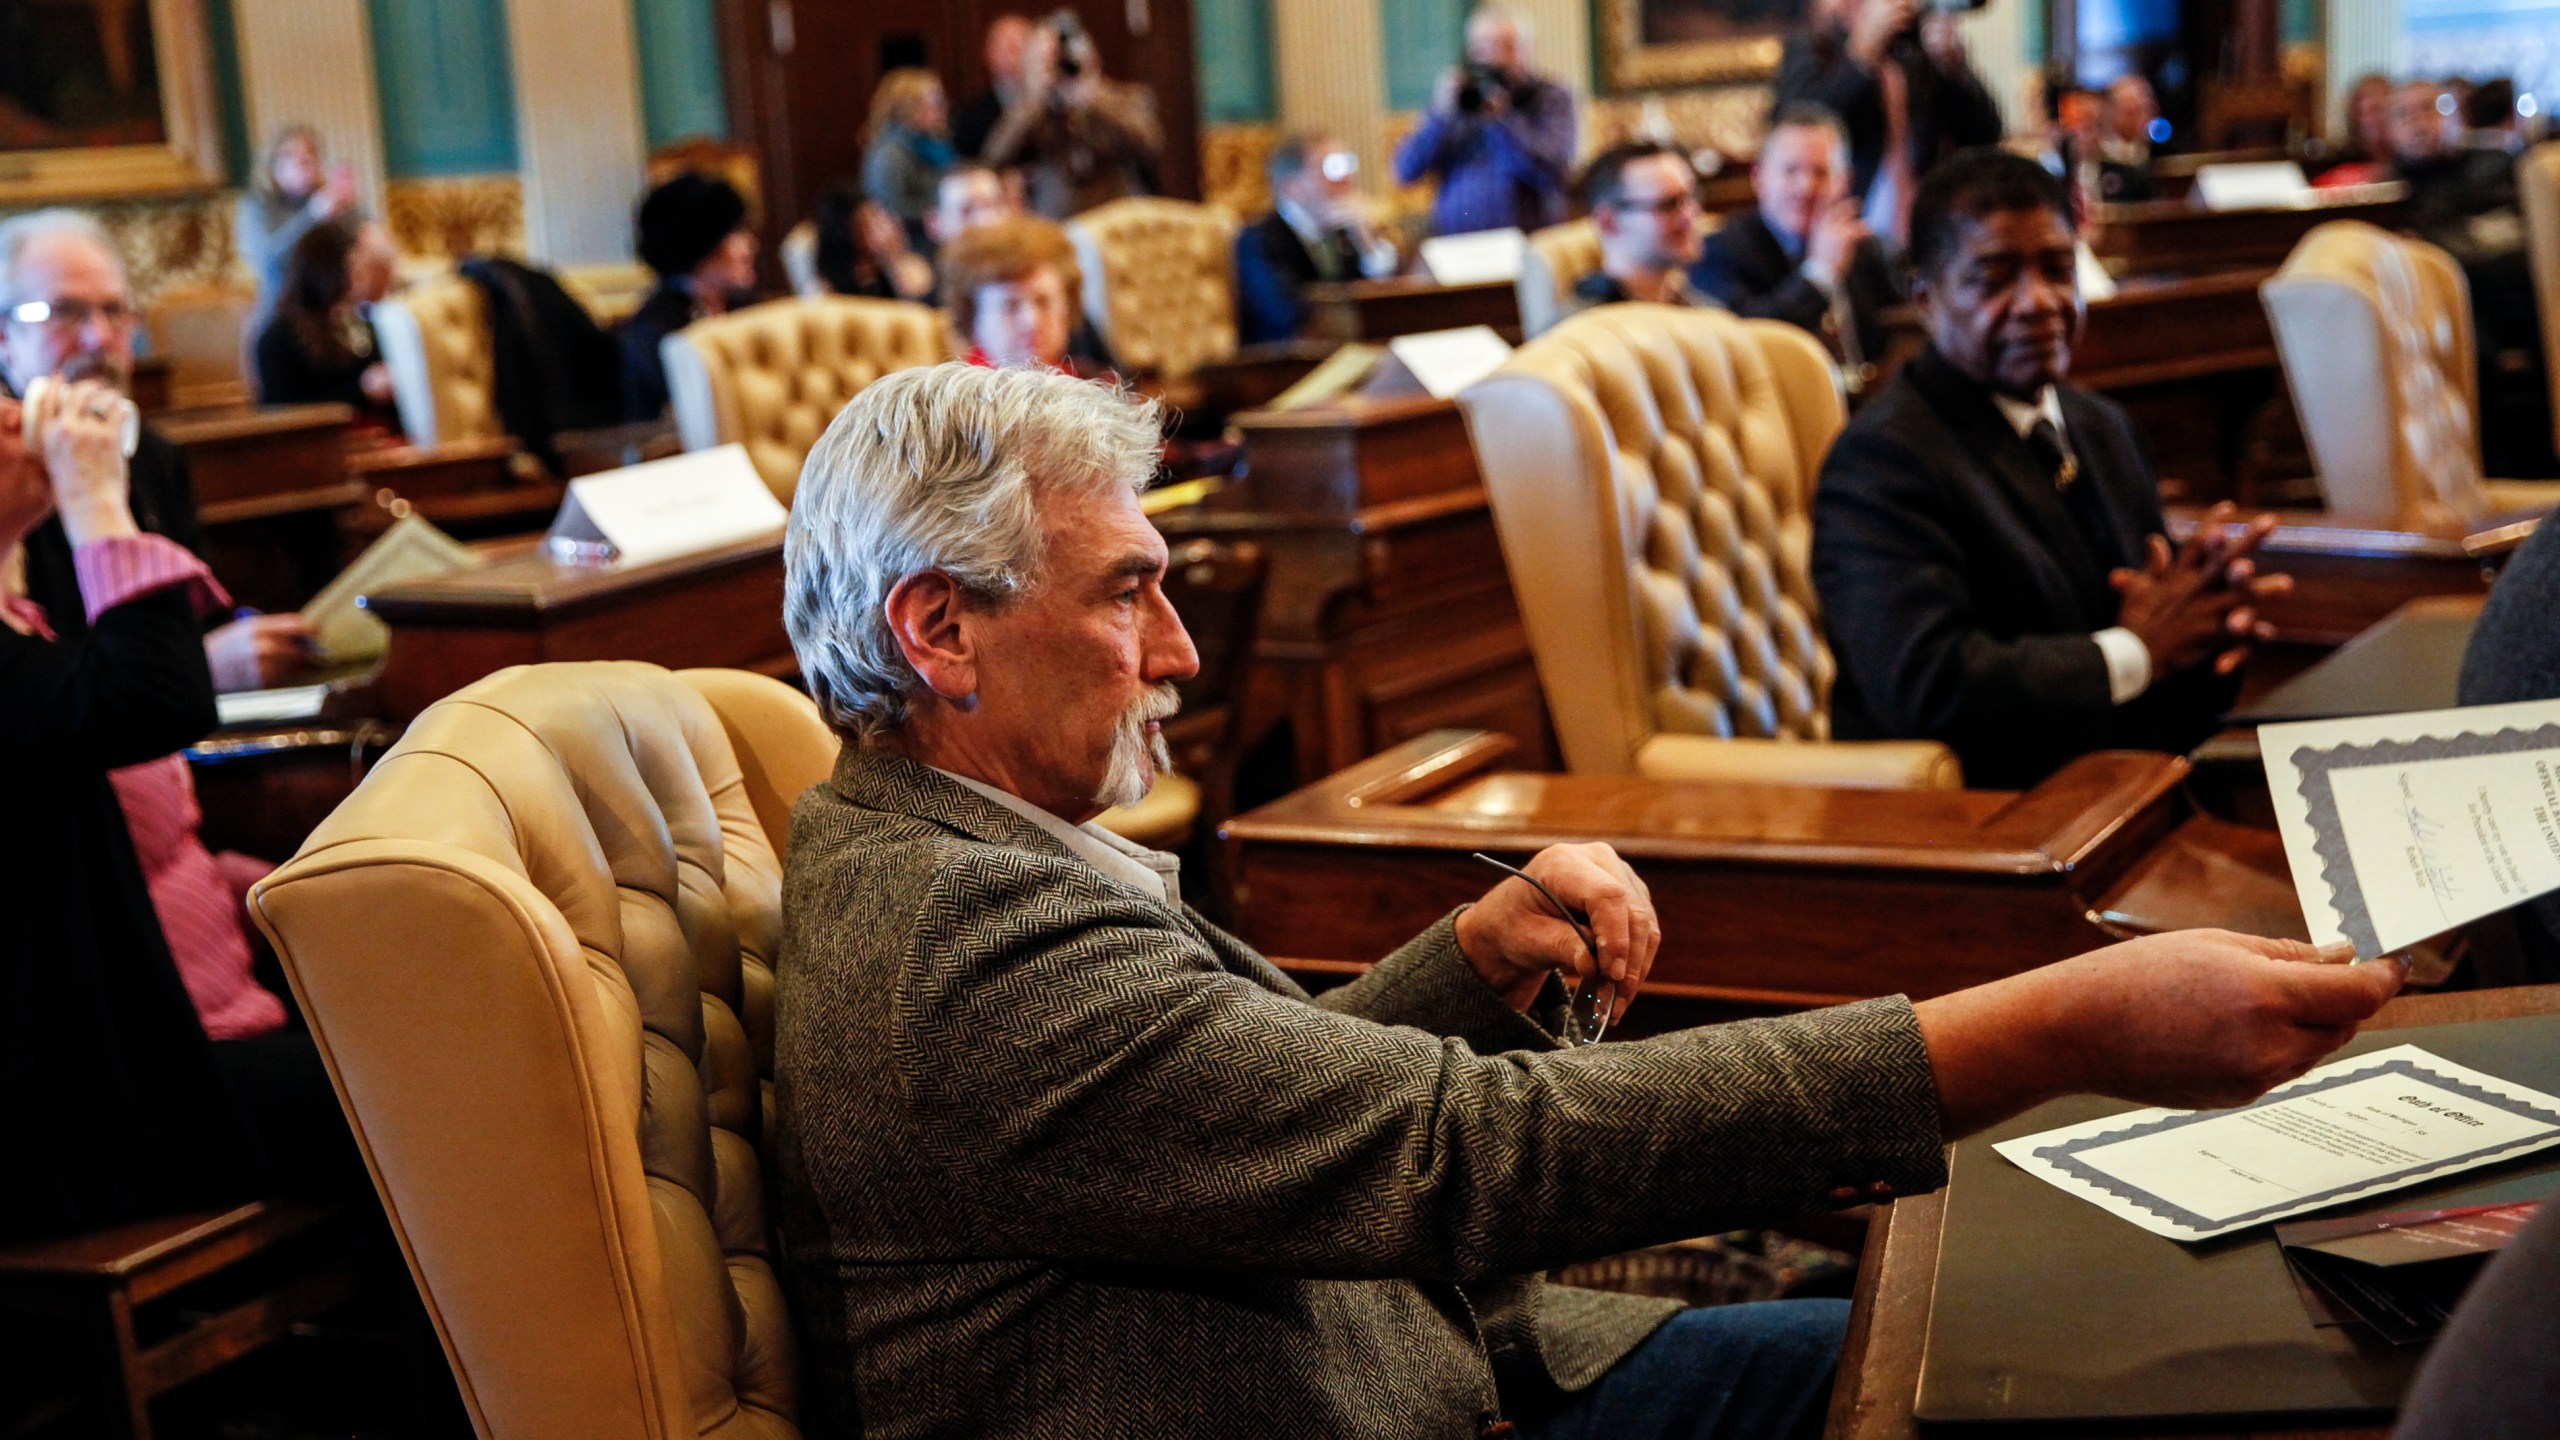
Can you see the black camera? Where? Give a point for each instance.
(1480, 83)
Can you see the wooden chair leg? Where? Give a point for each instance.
(124, 1408)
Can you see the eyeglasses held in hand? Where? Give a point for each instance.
(1597, 995)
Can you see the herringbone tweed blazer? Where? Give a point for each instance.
(1059, 1159)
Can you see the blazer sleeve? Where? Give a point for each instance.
(135, 688)
(1268, 305)
(1101, 1089)
(1722, 273)
(1905, 625)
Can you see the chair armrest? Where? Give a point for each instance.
(1876, 764)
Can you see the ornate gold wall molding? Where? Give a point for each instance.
(453, 216)
(176, 240)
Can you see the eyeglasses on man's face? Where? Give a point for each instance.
(70, 315)
(1664, 208)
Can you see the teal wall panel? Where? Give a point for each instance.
(1422, 38)
(2301, 21)
(222, 37)
(447, 85)
(1231, 48)
(681, 92)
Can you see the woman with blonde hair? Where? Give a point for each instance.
(908, 147)
(293, 191)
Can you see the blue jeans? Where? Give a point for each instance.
(1726, 1372)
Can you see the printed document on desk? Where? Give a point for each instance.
(2399, 827)
(2349, 1129)
(681, 505)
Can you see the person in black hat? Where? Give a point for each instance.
(693, 232)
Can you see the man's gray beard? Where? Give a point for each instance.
(1135, 746)
(96, 365)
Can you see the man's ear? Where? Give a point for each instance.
(927, 614)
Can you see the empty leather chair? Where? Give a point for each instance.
(2374, 330)
(435, 342)
(772, 377)
(1159, 283)
(536, 950)
(1556, 260)
(1651, 469)
(2538, 178)
(203, 330)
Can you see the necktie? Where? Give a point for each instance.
(2088, 509)
(1339, 256)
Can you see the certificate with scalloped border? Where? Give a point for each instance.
(2349, 1129)
(2399, 827)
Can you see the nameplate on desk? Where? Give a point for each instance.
(2399, 827)
(2257, 185)
(678, 506)
(1448, 361)
(1476, 258)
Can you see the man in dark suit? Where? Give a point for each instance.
(1059, 1157)
(1803, 255)
(1314, 232)
(69, 315)
(1987, 540)
(1643, 199)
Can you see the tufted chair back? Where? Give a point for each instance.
(773, 376)
(1651, 469)
(536, 949)
(435, 342)
(1159, 282)
(204, 331)
(1556, 260)
(2375, 333)
(2538, 177)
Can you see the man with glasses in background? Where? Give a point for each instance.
(69, 315)
(1643, 199)
(1315, 231)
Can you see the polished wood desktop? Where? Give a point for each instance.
(1379, 310)
(1917, 891)
(250, 462)
(2349, 575)
(1888, 1321)
(719, 607)
(1387, 610)
(2162, 236)
(2411, 660)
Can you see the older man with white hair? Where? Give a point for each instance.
(67, 313)
(1061, 1158)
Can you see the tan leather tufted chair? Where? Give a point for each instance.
(2538, 177)
(2375, 333)
(536, 948)
(1159, 282)
(204, 332)
(435, 342)
(773, 376)
(1651, 469)
(1556, 260)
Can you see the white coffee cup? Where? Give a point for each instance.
(124, 416)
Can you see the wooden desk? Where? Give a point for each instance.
(470, 488)
(721, 607)
(271, 488)
(2159, 236)
(1788, 895)
(1407, 305)
(2348, 575)
(1387, 610)
(1889, 1314)
(2412, 660)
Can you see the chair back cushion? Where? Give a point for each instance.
(800, 260)
(1159, 282)
(203, 330)
(535, 947)
(772, 377)
(1556, 260)
(2375, 333)
(435, 342)
(2538, 178)
(1651, 469)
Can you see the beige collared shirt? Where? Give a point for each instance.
(2128, 659)
(1151, 873)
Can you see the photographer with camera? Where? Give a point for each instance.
(1498, 136)
(1896, 73)
(1079, 139)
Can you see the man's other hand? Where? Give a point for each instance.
(258, 652)
(2194, 1019)
(1513, 937)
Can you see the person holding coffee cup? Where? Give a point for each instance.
(67, 314)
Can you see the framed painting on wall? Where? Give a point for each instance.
(102, 98)
(1648, 44)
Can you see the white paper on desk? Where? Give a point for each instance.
(270, 707)
(1475, 258)
(2399, 827)
(2251, 185)
(2095, 283)
(2349, 1129)
(1448, 361)
(677, 506)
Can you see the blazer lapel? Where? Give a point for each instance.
(2019, 481)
